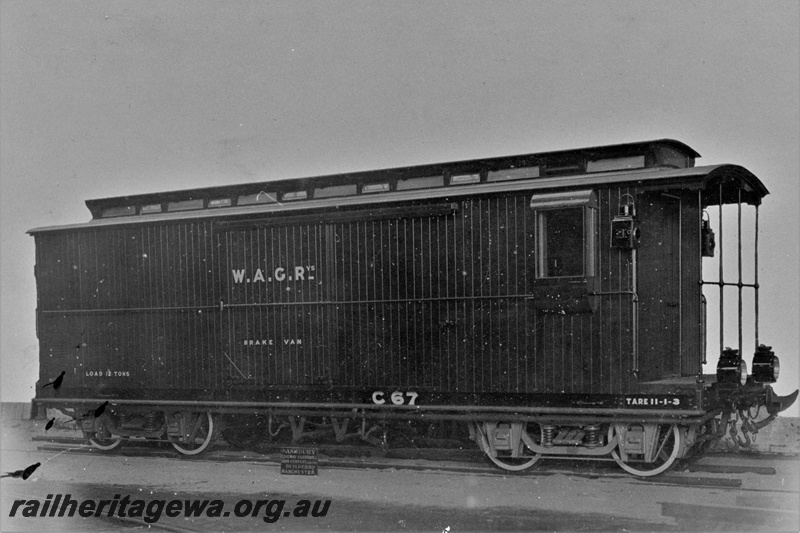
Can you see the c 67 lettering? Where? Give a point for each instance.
(396, 397)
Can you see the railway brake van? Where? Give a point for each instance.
(548, 304)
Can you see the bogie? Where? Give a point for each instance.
(645, 449)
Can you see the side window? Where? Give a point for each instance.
(565, 234)
(560, 243)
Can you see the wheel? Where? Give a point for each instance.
(105, 440)
(503, 458)
(668, 447)
(200, 430)
(515, 464)
(106, 444)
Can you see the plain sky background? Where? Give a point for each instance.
(103, 99)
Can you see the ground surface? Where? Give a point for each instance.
(556, 496)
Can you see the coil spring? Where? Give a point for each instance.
(548, 432)
(121, 418)
(592, 438)
(151, 421)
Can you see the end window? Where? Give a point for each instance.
(565, 234)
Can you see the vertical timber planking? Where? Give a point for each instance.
(430, 302)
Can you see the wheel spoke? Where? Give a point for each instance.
(664, 458)
(200, 436)
(104, 440)
(503, 458)
(663, 443)
(193, 433)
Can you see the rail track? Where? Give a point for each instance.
(438, 459)
(754, 497)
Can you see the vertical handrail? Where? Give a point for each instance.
(755, 289)
(721, 279)
(703, 300)
(704, 318)
(680, 285)
(739, 236)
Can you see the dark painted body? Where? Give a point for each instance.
(436, 294)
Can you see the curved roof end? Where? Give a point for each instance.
(731, 184)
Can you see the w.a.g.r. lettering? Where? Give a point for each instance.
(278, 274)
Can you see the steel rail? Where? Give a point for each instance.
(464, 464)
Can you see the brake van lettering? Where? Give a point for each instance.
(271, 342)
(397, 398)
(292, 273)
(107, 373)
(653, 402)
